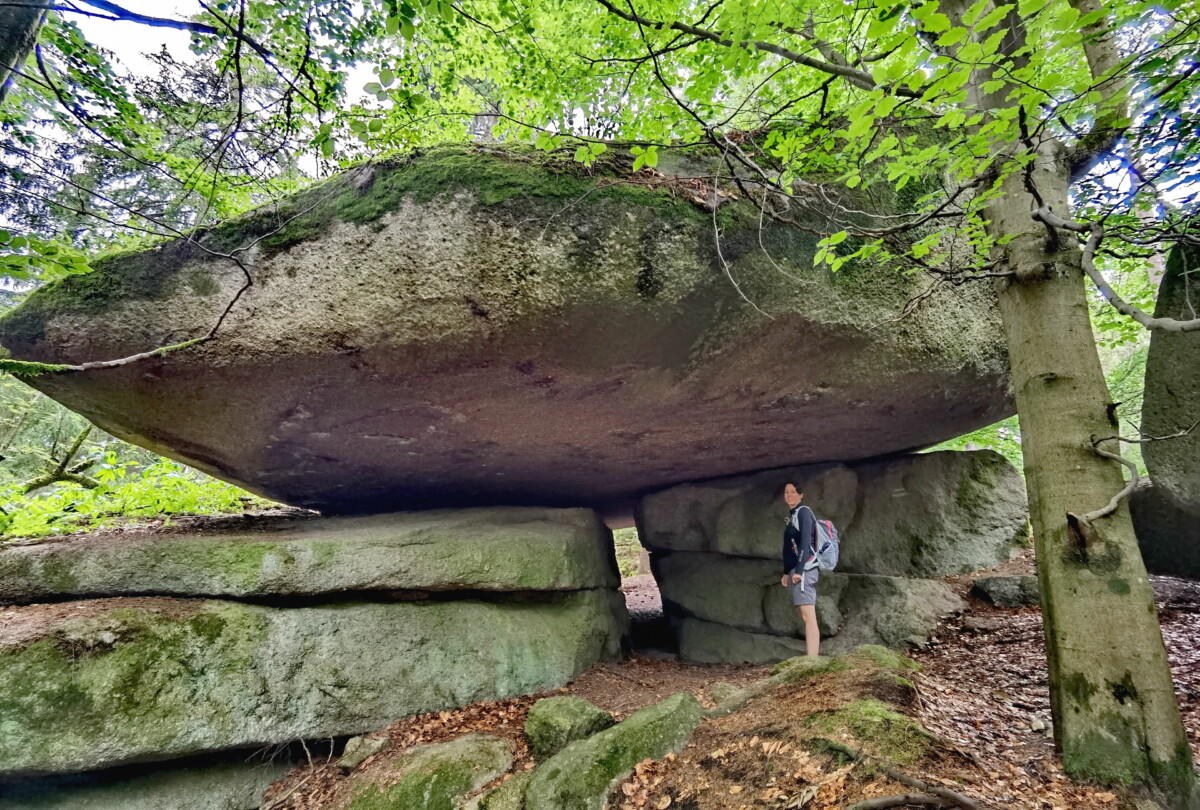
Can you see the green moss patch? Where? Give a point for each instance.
(579, 776)
(438, 776)
(883, 658)
(878, 728)
(555, 722)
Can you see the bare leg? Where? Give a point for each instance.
(812, 634)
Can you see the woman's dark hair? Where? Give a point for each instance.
(796, 484)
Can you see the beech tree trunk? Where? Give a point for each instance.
(19, 26)
(1115, 714)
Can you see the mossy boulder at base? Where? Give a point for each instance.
(495, 549)
(125, 680)
(436, 776)
(580, 776)
(555, 722)
(478, 325)
(232, 782)
(924, 515)
(1171, 404)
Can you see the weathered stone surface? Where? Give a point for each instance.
(358, 750)
(580, 776)
(1168, 535)
(498, 549)
(236, 784)
(131, 680)
(509, 795)
(710, 643)
(741, 593)
(555, 722)
(1010, 591)
(890, 611)
(436, 776)
(922, 515)
(1172, 398)
(469, 327)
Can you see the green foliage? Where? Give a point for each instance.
(1130, 279)
(1004, 437)
(126, 491)
(629, 551)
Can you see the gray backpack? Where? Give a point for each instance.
(825, 544)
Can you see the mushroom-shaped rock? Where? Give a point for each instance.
(474, 325)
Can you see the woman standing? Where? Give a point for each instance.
(798, 556)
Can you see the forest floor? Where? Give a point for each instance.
(982, 693)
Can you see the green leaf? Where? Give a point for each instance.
(952, 37)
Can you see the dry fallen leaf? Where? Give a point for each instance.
(735, 789)
(663, 803)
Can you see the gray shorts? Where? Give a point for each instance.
(804, 592)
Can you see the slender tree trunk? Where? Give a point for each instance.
(19, 26)
(1115, 714)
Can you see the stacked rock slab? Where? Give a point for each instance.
(341, 626)
(716, 551)
(471, 326)
(1167, 514)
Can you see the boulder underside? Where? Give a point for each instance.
(551, 340)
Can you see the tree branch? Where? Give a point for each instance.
(859, 78)
(1095, 233)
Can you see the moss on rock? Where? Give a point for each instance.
(580, 776)
(510, 795)
(438, 776)
(135, 683)
(501, 549)
(876, 727)
(554, 722)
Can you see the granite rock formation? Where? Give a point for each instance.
(473, 326)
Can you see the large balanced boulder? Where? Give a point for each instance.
(1172, 399)
(88, 685)
(496, 549)
(924, 515)
(473, 325)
